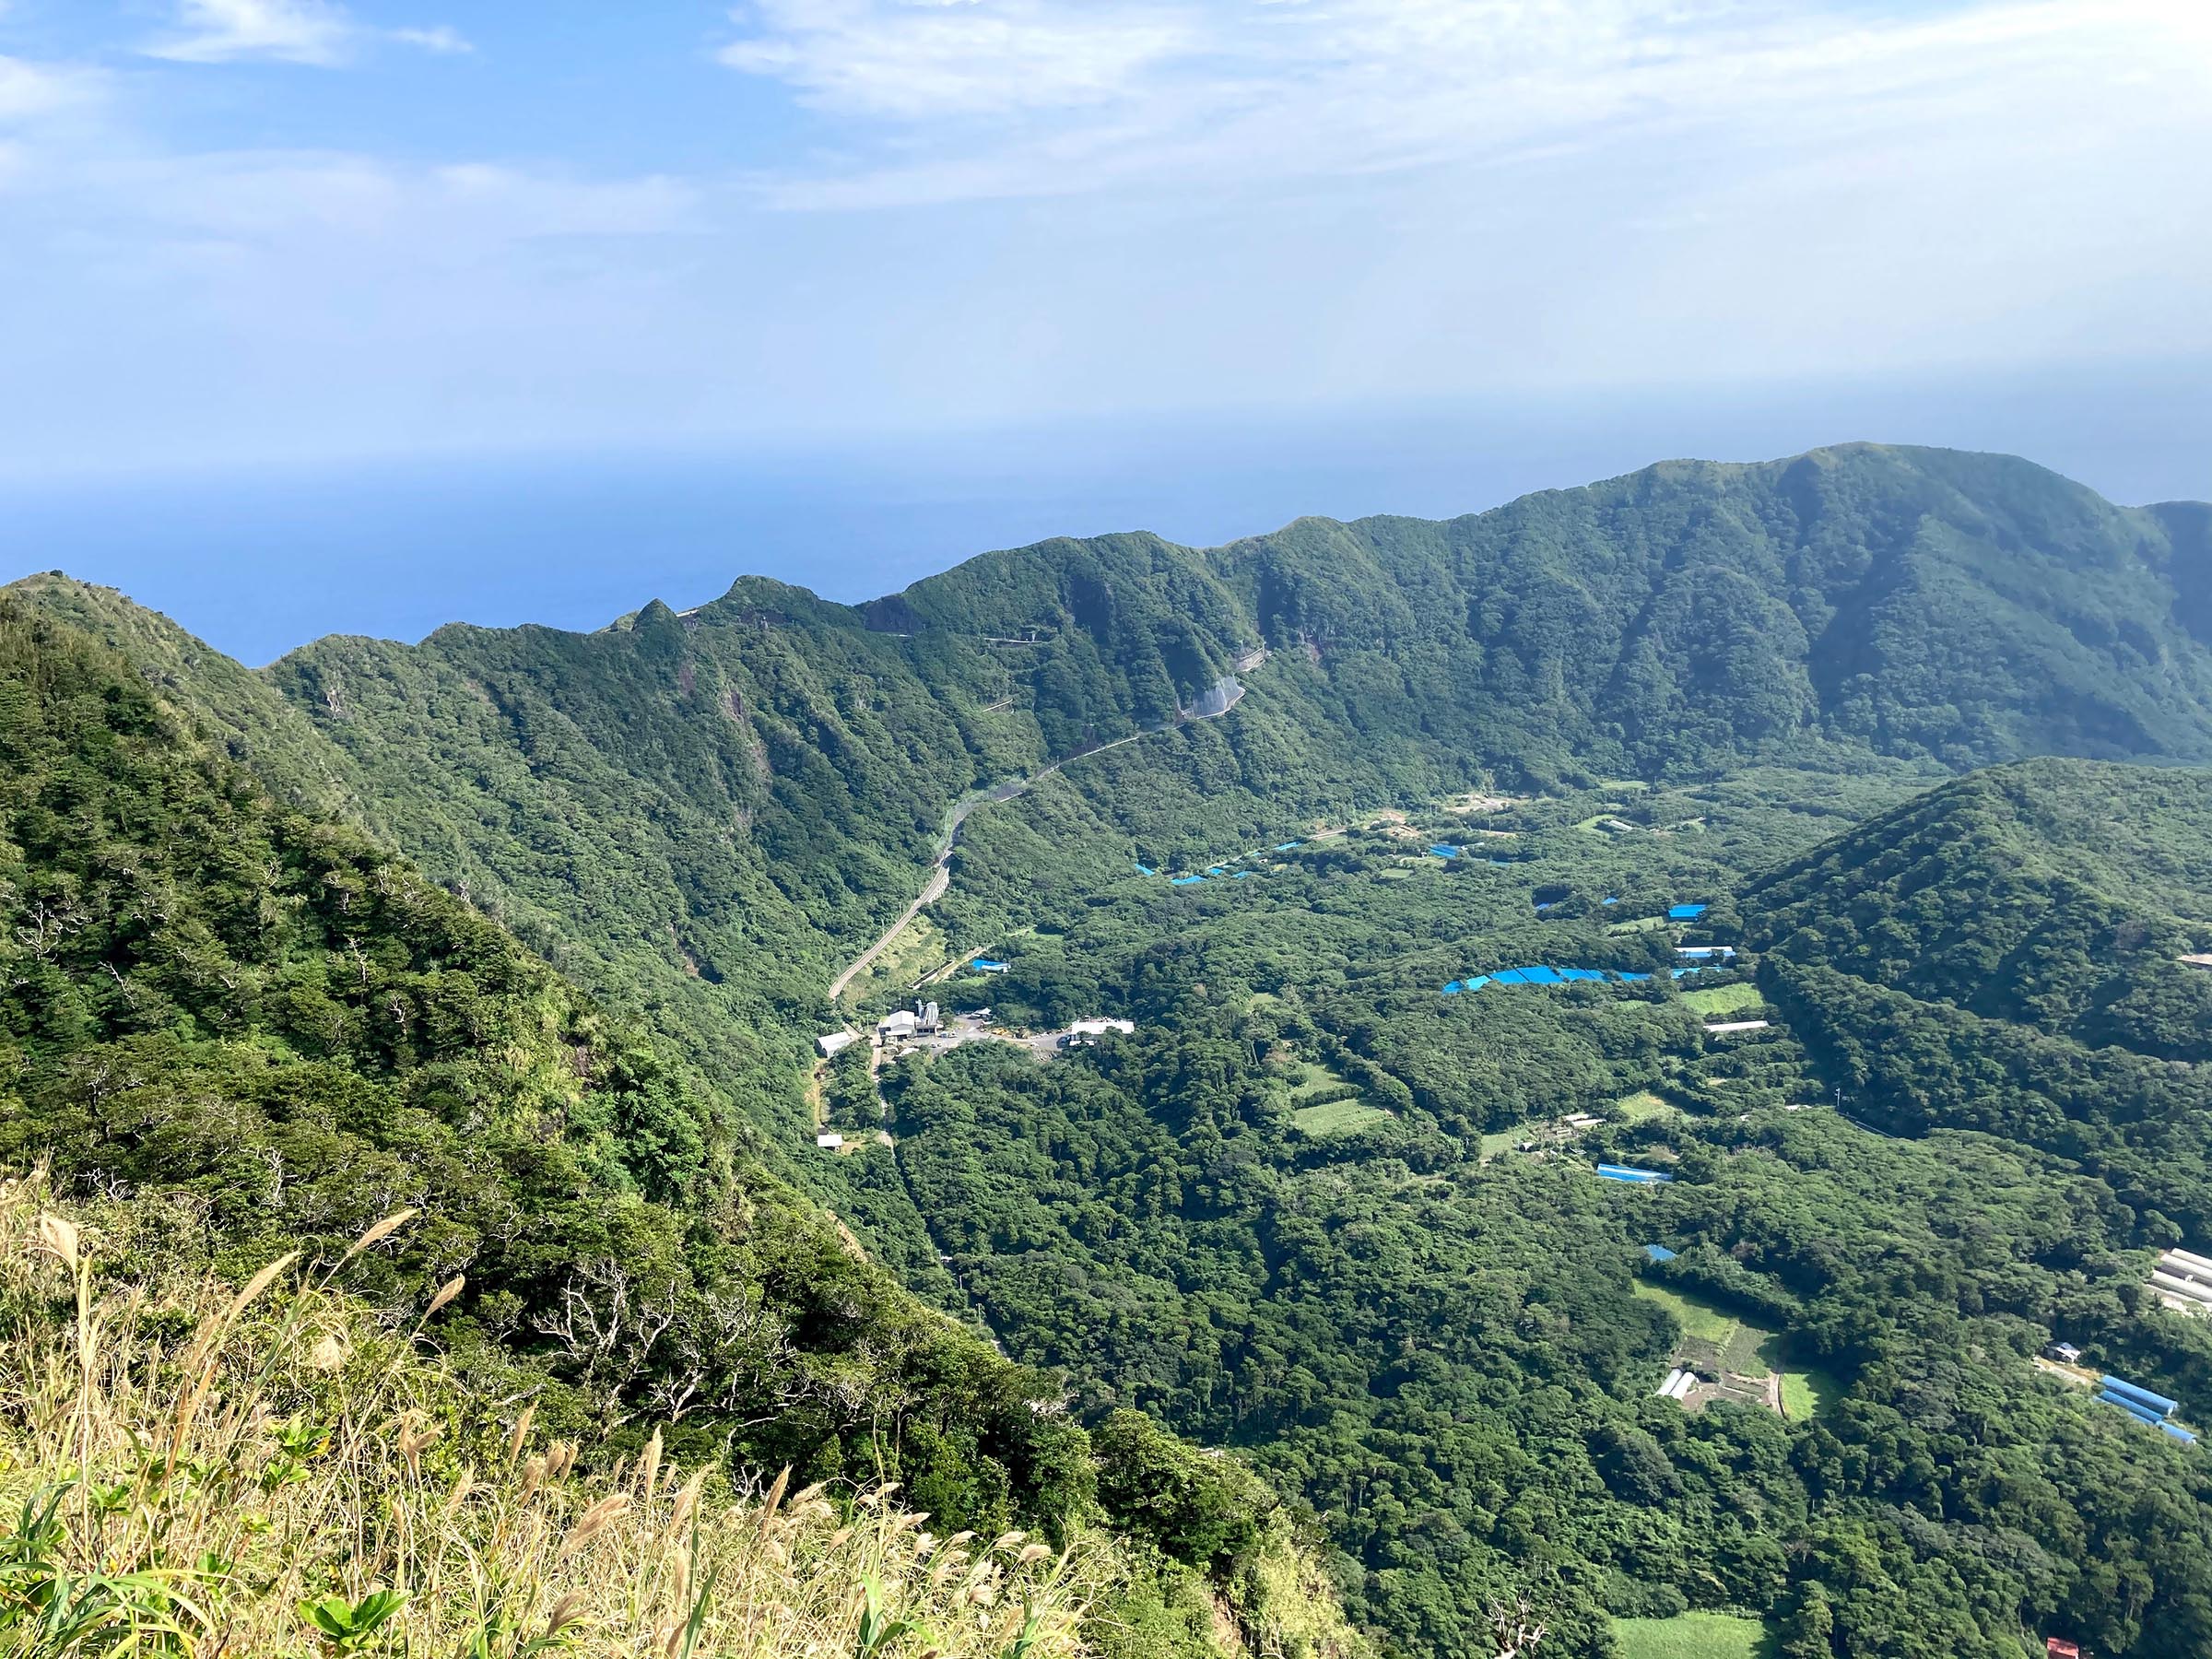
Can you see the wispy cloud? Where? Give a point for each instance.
(928, 58)
(28, 90)
(291, 32)
(996, 210)
(442, 39)
(316, 32)
(982, 97)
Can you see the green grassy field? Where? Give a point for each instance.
(1642, 1104)
(1693, 1636)
(1710, 1335)
(1338, 1117)
(1698, 1319)
(1328, 1117)
(1640, 925)
(1804, 1392)
(1723, 999)
(1312, 1077)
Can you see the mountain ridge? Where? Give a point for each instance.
(722, 803)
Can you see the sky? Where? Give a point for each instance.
(364, 317)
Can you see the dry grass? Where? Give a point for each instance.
(190, 1469)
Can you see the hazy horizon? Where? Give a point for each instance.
(487, 311)
(258, 562)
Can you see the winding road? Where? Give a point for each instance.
(940, 871)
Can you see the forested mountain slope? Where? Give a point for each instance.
(2059, 893)
(701, 814)
(271, 1032)
(2003, 953)
(1919, 602)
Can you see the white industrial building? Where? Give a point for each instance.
(1090, 1030)
(2182, 1280)
(924, 1019)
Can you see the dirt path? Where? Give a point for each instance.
(940, 873)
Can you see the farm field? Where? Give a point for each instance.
(1711, 1337)
(1723, 999)
(1693, 1636)
(1806, 1393)
(1499, 1141)
(1701, 1321)
(1338, 1117)
(1320, 1104)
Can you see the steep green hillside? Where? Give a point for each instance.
(701, 815)
(1966, 607)
(2056, 893)
(271, 1033)
(244, 1505)
(2003, 954)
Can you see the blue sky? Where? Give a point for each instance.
(259, 258)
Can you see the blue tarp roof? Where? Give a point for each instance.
(1659, 1253)
(1442, 851)
(1241, 876)
(1185, 880)
(1541, 975)
(2143, 1397)
(1286, 846)
(1147, 870)
(2142, 1414)
(1623, 1172)
(988, 965)
(1686, 913)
